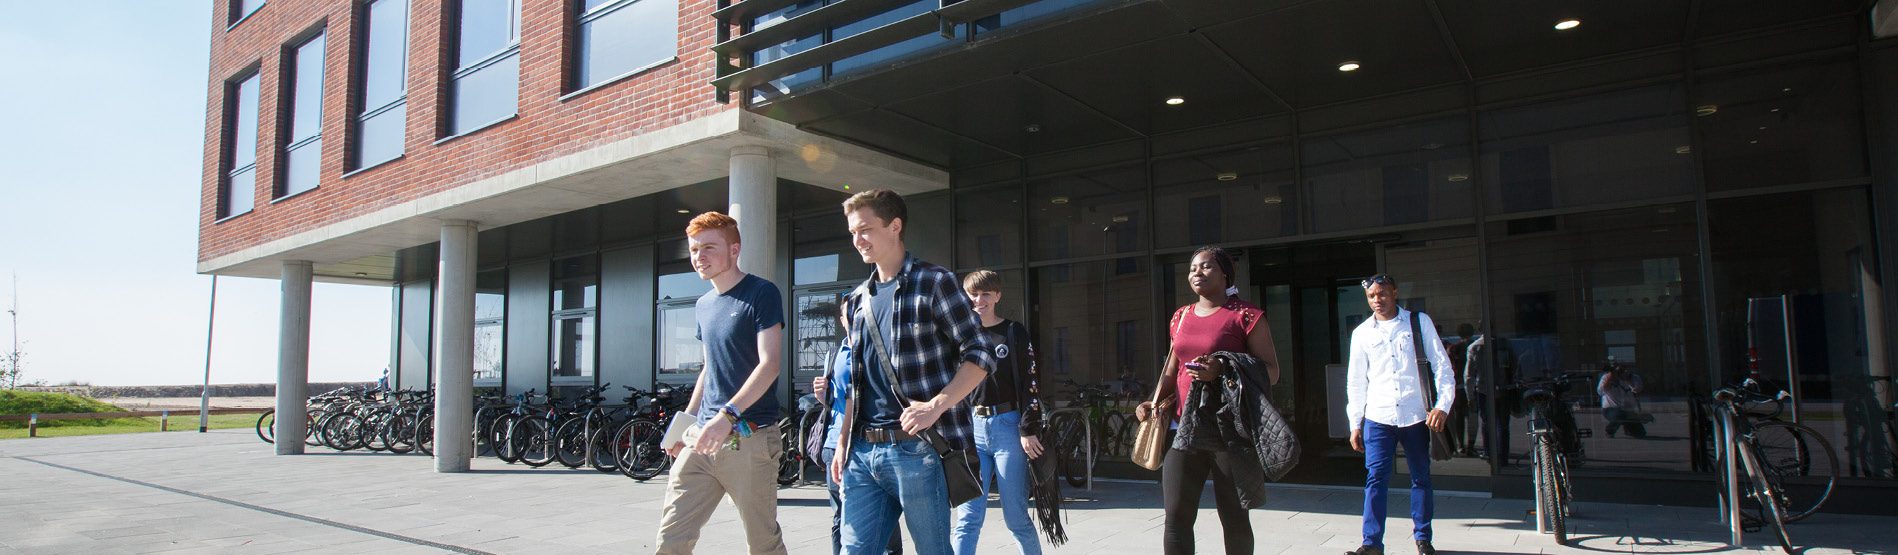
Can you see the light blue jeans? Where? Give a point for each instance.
(998, 446)
(884, 480)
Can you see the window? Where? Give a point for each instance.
(1088, 214)
(241, 9)
(576, 296)
(1599, 149)
(304, 154)
(796, 81)
(623, 37)
(1391, 176)
(1788, 126)
(680, 352)
(382, 113)
(240, 182)
(488, 64)
(490, 326)
(1222, 197)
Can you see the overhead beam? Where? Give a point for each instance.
(1885, 19)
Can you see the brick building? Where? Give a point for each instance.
(1579, 181)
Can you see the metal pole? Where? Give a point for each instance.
(204, 399)
(1792, 353)
(1087, 429)
(1733, 482)
(1720, 462)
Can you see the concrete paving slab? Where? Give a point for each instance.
(226, 492)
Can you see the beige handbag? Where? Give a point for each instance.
(1150, 442)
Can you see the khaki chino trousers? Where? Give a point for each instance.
(749, 474)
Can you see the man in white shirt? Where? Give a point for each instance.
(1385, 405)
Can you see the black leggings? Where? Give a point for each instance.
(1182, 476)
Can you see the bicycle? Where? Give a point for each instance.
(1798, 461)
(1086, 430)
(636, 444)
(795, 430)
(1757, 487)
(1550, 455)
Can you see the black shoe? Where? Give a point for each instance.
(1424, 548)
(1366, 550)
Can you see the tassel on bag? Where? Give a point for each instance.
(1046, 489)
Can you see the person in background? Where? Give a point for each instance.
(1463, 424)
(1618, 388)
(835, 399)
(1007, 423)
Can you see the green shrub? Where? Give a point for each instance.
(17, 402)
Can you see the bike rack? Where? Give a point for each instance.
(1730, 472)
(1087, 437)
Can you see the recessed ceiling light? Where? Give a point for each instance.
(1762, 128)
(1773, 110)
(1227, 176)
(1432, 146)
(1707, 110)
(684, 211)
(1348, 66)
(1568, 24)
(362, 274)
(1273, 200)
(1059, 200)
(1753, 142)
(1683, 150)
(1120, 219)
(1459, 177)
(1033, 128)
(1175, 101)
(1786, 90)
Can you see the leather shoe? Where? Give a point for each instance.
(1424, 548)
(1366, 550)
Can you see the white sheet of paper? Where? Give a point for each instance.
(676, 432)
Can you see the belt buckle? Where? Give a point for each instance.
(876, 435)
(984, 411)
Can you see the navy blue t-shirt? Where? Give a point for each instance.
(729, 323)
(879, 405)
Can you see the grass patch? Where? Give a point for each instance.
(19, 402)
(183, 421)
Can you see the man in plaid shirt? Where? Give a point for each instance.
(938, 355)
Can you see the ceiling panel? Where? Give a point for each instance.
(1297, 52)
(903, 136)
(1132, 85)
(1500, 37)
(1033, 120)
(1734, 16)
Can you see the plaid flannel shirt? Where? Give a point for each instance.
(936, 330)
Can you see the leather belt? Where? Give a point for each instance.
(986, 411)
(885, 435)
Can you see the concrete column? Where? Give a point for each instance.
(754, 198)
(454, 348)
(293, 357)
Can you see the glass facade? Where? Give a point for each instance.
(485, 84)
(621, 37)
(239, 193)
(303, 154)
(381, 110)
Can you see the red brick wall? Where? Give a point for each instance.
(546, 128)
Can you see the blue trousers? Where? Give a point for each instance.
(885, 481)
(1004, 471)
(837, 511)
(1380, 452)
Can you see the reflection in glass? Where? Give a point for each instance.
(1795, 125)
(1567, 292)
(379, 137)
(683, 285)
(1094, 213)
(306, 117)
(1396, 175)
(988, 227)
(244, 125)
(576, 282)
(790, 83)
(1604, 148)
(823, 252)
(486, 95)
(818, 335)
(1097, 328)
(488, 354)
(1824, 289)
(573, 347)
(490, 294)
(617, 38)
(1223, 197)
(680, 351)
(386, 53)
(242, 192)
(485, 88)
(918, 45)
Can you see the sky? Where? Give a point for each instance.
(101, 156)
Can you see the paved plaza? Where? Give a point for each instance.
(224, 492)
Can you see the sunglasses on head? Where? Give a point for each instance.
(1374, 280)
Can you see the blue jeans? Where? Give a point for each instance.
(884, 480)
(998, 446)
(837, 510)
(1380, 450)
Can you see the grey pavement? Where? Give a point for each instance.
(224, 492)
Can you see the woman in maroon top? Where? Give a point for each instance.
(1218, 322)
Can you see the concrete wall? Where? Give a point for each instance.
(626, 318)
(413, 345)
(528, 321)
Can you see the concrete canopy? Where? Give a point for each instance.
(684, 154)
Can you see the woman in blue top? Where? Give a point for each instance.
(838, 371)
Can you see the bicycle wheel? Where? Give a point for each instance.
(267, 426)
(570, 442)
(533, 437)
(504, 448)
(1070, 446)
(313, 427)
(1550, 506)
(342, 431)
(369, 434)
(424, 437)
(642, 458)
(1115, 439)
(1800, 463)
(398, 433)
(788, 457)
(1764, 494)
(603, 451)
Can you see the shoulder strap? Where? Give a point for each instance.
(883, 350)
(1425, 375)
